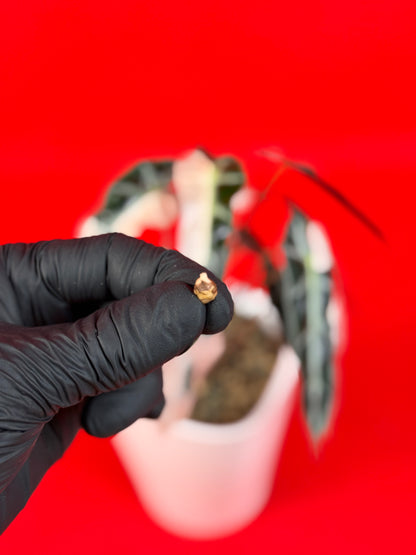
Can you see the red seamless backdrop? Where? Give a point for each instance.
(89, 88)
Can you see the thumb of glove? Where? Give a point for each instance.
(45, 369)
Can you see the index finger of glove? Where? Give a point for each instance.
(61, 280)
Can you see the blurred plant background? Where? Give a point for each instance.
(204, 207)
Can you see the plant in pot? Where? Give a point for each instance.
(205, 469)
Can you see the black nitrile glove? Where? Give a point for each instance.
(85, 325)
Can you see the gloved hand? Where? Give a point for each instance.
(85, 325)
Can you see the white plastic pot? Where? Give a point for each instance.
(204, 481)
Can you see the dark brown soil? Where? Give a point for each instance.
(238, 378)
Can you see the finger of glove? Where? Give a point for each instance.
(50, 281)
(158, 266)
(219, 312)
(47, 368)
(109, 413)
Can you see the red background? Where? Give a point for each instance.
(88, 88)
